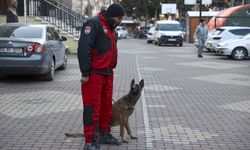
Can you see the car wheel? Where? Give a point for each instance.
(239, 53)
(65, 61)
(158, 43)
(181, 44)
(208, 49)
(148, 41)
(50, 75)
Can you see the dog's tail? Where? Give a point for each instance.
(74, 134)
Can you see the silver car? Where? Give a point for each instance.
(225, 33)
(238, 49)
(31, 49)
(151, 35)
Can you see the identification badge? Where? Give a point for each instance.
(87, 30)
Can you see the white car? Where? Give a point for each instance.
(238, 49)
(225, 33)
(151, 35)
(122, 32)
(168, 32)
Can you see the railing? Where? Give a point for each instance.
(60, 5)
(59, 16)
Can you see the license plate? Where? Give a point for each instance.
(171, 39)
(11, 50)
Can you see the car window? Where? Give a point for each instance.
(20, 31)
(170, 27)
(152, 29)
(247, 36)
(118, 29)
(240, 31)
(218, 32)
(49, 34)
(57, 37)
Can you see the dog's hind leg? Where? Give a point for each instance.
(129, 131)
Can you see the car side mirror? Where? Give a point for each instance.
(156, 29)
(63, 38)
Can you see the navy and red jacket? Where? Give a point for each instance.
(97, 46)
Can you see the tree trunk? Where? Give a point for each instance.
(156, 15)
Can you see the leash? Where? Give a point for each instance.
(127, 109)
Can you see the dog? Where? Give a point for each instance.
(122, 110)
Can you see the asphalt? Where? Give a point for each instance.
(187, 103)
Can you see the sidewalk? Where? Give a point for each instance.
(187, 103)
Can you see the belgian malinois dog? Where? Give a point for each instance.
(121, 111)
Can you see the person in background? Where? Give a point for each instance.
(11, 14)
(97, 56)
(201, 33)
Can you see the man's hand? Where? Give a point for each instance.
(84, 79)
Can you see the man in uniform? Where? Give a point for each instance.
(97, 56)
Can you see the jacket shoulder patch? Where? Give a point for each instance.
(87, 30)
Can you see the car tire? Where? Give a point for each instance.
(239, 53)
(65, 61)
(50, 75)
(158, 43)
(181, 44)
(148, 41)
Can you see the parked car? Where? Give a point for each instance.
(238, 49)
(225, 33)
(121, 32)
(141, 32)
(168, 32)
(151, 35)
(31, 49)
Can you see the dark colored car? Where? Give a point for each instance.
(141, 32)
(31, 49)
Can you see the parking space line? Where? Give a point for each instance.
(148, 131)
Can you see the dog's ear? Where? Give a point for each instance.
(132, 83)
(141, 83)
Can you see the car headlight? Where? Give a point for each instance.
(162, 34)
(181, 34)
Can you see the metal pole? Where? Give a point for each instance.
(81, 8)
(25, 11)
(200, 9)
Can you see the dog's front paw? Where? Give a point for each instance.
(124, 141)
(133, 137)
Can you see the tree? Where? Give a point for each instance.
(145, 9)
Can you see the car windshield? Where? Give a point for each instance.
(170, 27)
(118, 29)
(20, 31)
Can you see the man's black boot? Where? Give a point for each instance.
(91, 146)
(107, 138)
